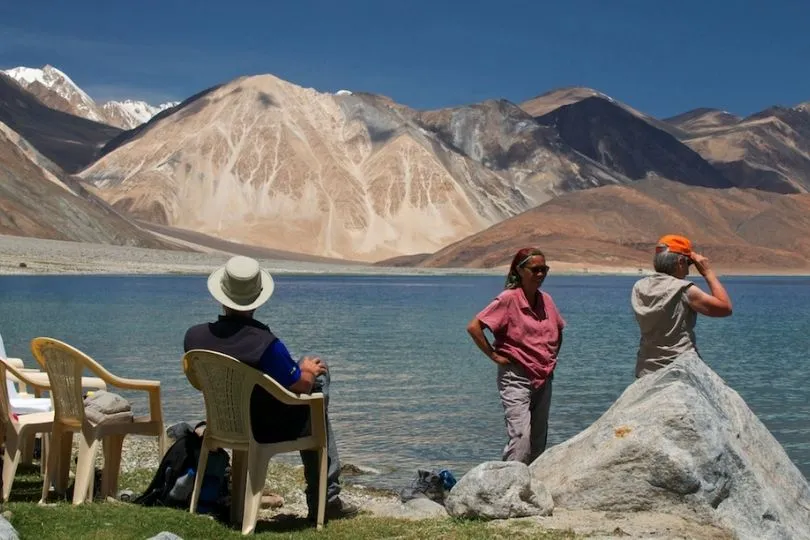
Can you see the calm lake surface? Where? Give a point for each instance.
(409, 388)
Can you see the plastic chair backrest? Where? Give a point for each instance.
(8, 391)
(64, 365)
(226, 388)
(226, 385)
(5, 391)
(11, 390)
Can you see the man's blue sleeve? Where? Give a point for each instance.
(277, 362)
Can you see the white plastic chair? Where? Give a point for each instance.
(226, 385)
(64, 365)
(25, 405)
(23, 402)
(16, 428)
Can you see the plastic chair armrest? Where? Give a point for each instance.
(149, 386)
(134, 384)
(284, 395)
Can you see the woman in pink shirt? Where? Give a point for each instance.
(528, 334)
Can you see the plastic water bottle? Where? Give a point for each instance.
(183, 487)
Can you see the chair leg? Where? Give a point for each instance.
(112, 464)
(85, 469)
(27, 448)
(323, 458)
(11, 459)
(202, 463)
(43, 457)
(258, 459)
(238, 478)
(52, 464)
(62, 471)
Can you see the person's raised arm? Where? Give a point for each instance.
(716, 304)
(476, 330)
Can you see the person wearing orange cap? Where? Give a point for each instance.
(666, 304)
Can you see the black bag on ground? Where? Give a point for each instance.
(426, 484)
(174, 479)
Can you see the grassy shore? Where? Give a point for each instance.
(382, 515)
(121, 521)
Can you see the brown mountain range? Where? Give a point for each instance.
(265, 162)
(618, 225)
(703, 121)
(260, 161)
(550, 101)
(769, 150)
(626, 143)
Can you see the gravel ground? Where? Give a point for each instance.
(286, 479)
(283, 478)
(27, 256)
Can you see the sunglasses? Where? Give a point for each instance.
(543, 269)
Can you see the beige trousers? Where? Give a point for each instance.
(526, 411)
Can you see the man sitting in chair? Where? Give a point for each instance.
(242, 287)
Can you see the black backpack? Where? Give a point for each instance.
(174, 478)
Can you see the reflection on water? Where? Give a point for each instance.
(409, 387)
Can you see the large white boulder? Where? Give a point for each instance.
(680, 441)
(499, 490)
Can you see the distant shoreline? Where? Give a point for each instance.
(56, 257)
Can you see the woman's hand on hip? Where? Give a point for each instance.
(500, 359)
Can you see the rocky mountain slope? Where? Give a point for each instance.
(38, 200)
(70, 141)
(703, 120)
(260, 161)
(618, 225)
(545, 103)
(58, 91)
(505, 139)
(769, 150)
(628, 144)
(265, 162)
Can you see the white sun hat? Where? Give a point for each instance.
(241, 284)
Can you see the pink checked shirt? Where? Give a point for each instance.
(530, 337)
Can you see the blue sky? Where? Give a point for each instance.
(662, 57)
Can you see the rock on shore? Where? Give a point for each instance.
(681, 442)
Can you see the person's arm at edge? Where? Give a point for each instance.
(716, 304)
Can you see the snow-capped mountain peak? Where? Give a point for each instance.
(132, 113)
(54, 88)
(58, 82)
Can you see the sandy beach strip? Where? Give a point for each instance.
(33, 256)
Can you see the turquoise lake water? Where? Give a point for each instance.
(409, 388)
